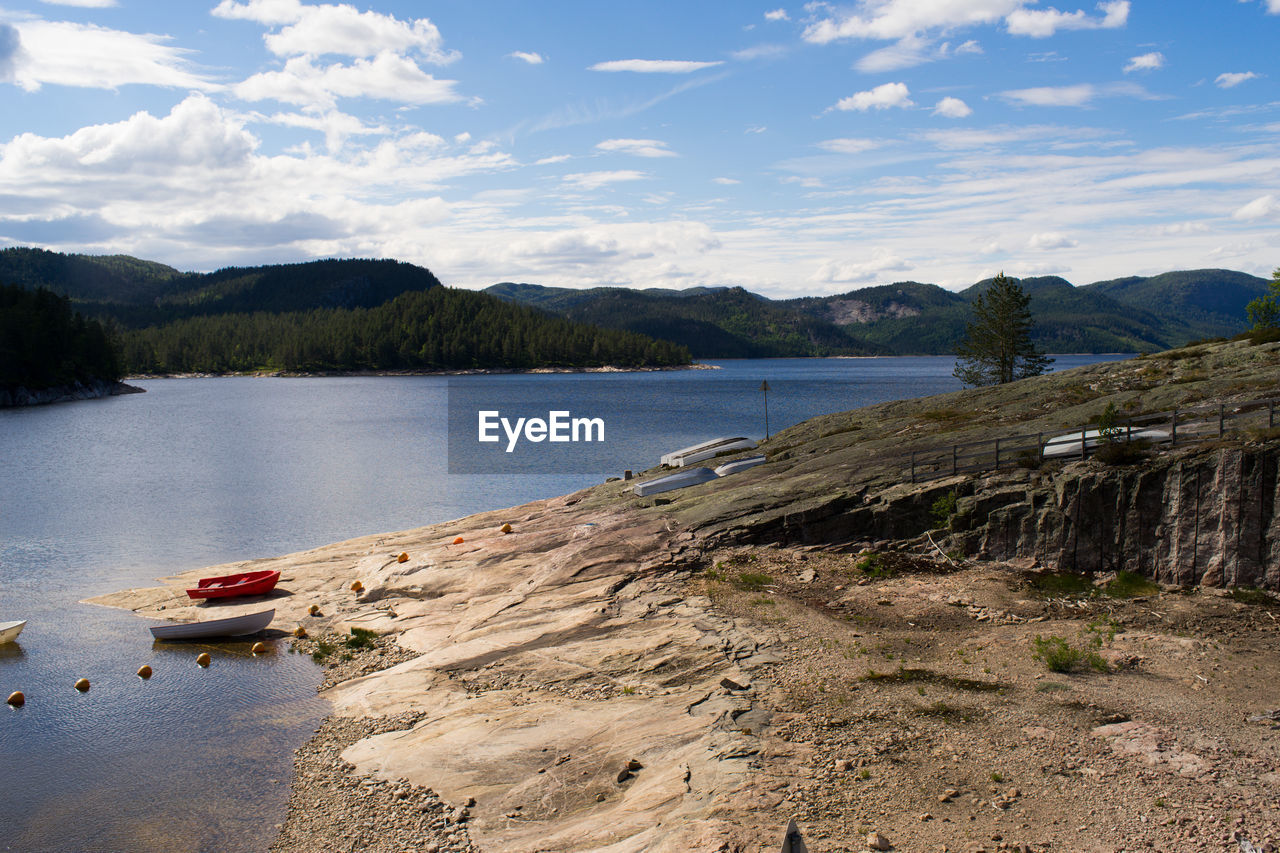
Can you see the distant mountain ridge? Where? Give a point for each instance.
(912, 318)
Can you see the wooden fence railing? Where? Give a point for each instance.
(1179, 426)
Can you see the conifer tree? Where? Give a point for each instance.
(997, 346)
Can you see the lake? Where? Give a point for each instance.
(109, 494)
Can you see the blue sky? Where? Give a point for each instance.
(791, 149)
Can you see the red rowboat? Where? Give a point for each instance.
(226, 586)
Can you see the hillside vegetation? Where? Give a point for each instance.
(45, 344)
(910, 318)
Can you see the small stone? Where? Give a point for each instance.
(730, 684)
(876, 841)
(634, 765)
(600, 798)
(926, 816)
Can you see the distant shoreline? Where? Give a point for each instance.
(476, 371)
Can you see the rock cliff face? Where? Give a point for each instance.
(1206, 519)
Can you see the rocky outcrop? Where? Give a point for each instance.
(12, 396)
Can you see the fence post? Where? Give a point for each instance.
(953, 460)
(1271, 414)
(997, 454)
(1083, 452)
(1222, 410)
(913, 466)
(1173, 433)
(1040, 447)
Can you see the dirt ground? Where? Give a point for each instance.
(911, 703)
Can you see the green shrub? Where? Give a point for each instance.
(943, 509)
(1060, 656)
(1129, 585)
(361, 638)
(1121, 452)
(752, 581)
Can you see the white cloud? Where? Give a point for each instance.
(728, 182)
(849, 145)
(881, 261)
(557, 158)
(596, 180)
(338, 127)
(1232, 79)
(910, 51)
(1042, 23)
(759, 51)
(637, 147)
(1047, 240)
(968, 47)
(83, 4)
(385, 77)
(1145, 62)
(952, 108)
(653, 66)
(781, 15)
(880, 98)
(71, 54)
(531, 58)
(1260, 208)
(896, 19)
(338, 29)
(1078, 95)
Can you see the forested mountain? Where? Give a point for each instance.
(330, 315)
(909, 318)
(45, 344)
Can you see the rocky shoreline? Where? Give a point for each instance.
(691, 672)
(16, 396)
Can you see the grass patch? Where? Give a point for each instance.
(1249, 595)
(1061, 583)
(1130, 585)
(752, 581)
(946, 416)
(906, 675)
(1060, 656)
(762, 601)
(323, 650)
(1051, 687)
(1122, 452)
(361, 638)
(875, 566)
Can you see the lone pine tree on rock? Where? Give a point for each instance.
(997, 346)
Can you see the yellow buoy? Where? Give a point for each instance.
(314, 610)
(82, 685)
(16, 699)
(144, 671)
(299, 632)
(458, 540)
(356, 586)
(259, 648)
(203, 659)
(403, 558)
(506, 528)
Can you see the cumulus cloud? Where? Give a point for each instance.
(1260, 208)
(386, 77)
(880, 98)
(637, 147)
(338, 127)
(338, 29)
(849, 145)
(525, 56)
(71, 54)
(952, 108)
(728, 182)
(1042, 23)
(1145, 62)
(881, 261)
(1232, 79)
(781, 15)
(653, 66)
(596, 180)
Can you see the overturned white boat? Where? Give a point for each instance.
(678, 480)
(738, 465)
(9, 631)
(706, 450)
(1069, 444)
(232, 626)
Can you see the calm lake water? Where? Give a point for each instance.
(108, 494)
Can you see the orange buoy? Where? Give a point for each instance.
(299, 632)
(203, 659)
(314, 610)
(144, 672)
(506, 528)
(82, 685)
(356, 586)
(458, 540)
(259, 648)
(403, 558)
(16, 699)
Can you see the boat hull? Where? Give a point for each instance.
(234, 626)
(9, 631)
(229, 586)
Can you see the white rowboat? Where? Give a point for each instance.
(9, 631)
(739, 465)
(234, 626)
(671, 482)
(706, 450)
